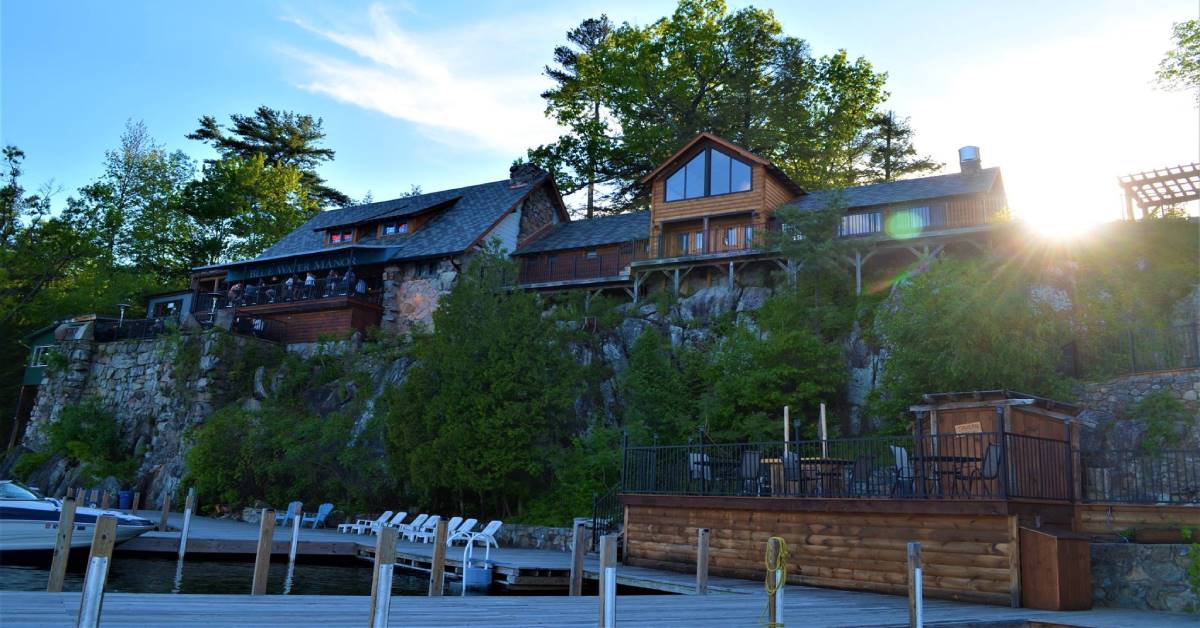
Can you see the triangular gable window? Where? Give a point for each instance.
(710, 173)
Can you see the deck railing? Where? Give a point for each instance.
(280, 292)
(1135, 349)
(575, 267)
(1141, 477)
(959, 466)
(725, 239)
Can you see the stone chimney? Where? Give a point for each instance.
(524, 174)
(968, 160)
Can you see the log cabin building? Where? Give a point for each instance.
(713, 204)
(382, 264)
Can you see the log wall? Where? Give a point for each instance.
(968, 557)
(1148, 523)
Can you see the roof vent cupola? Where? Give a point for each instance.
(968, 160)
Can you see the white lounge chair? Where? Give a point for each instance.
(363, 525)
(464, 531)
(487, 535)
(431, 534)
(418, 521)
(415, 531)
(395, 522)
(285, 517)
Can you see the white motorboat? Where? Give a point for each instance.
(29, 522)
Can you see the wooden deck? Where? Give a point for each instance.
(811, 608)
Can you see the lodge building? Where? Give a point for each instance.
(713, 209)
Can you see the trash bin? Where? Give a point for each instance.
(125, 500)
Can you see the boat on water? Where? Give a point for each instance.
(29, 522)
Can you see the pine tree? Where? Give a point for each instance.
(890, 153)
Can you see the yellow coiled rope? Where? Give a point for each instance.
(771, 584)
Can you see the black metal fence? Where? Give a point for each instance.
(1133, 349)
(958, 466)
(133, 328)
(1141, 477)
(607, 515)
(252, 293)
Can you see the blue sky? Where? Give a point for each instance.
(444, 94)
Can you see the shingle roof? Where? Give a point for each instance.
(471, 211)
(903, 191)
(595, 232)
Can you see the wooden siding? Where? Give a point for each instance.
(750, 200)
(1153, 523)
(572, 264)
(775, 194)
(305, 321)
(1056, 571)
(968, 557)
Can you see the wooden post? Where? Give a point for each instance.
(608, 577)
(381, 579)
(579, 536)
(295, 538)
(95, 496)
(775, 597)
(702, 561)
(70, 493)
(62, 546)
(166, 509)
(97, 572)
(916, 610)
(137, 501)
(1014, 561)
(262, 557)
(104, 500)
(187, 520)
(437, 571)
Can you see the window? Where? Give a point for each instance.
(341, 236)
(747, 236)
(710, 173)
(700, 241)
(394, 229)
(860, 224)
(38, 357)
(592, 255)
(681, 241)
(731, 236)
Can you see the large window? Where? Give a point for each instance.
(709, 173)
(861, 224)
(39, 355)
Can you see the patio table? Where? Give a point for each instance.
(932, 469)
(829, 473)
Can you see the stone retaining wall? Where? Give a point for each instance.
(524, 536)
(1141, 576)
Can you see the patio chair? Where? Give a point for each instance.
(417, 521)
(362, 525)
(699, 468)
(427, 536)
(987, 470)
(411, 533)
(463, 532)
(487, 535)
(293, 510)
(904, 482)
(396, 521)
(317, 517)
(751, 473)
(795, 481)
(860, 475)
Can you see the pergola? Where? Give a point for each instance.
(1156, 189)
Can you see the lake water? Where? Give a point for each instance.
(156, 575)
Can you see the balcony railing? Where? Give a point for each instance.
(726, 239)
(1137, 476)
(575, 267)
(959, 466)
(270, 293)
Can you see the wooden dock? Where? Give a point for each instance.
(810, 608)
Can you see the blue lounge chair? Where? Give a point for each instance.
(293, 510)
(318, 517)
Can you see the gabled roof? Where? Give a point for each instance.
(903, 191)
(466, 214)
(729, 146)
(594, 232)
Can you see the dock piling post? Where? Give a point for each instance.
(775, 553)
(62, 546)
(137, 501)
(97, 572)
(915, 589)
(166, 509)
(437, 571)
(579, 536)
(608, 580)
(187, 520)
(262, 556)
(95, 497)
(104, 500)
(295, 539)
(381, 580)
(702, 561)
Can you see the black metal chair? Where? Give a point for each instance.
(987, 471)
(904, 480)
(751, 473)
(860, 475)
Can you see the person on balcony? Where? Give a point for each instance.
(360, 288)
(348, 281)
(272, 290)
(331, 281)
(310, 283)
(252, 292)
(289, 288)
(235, 294)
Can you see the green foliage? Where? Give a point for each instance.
(589, 467)
(890, 153)
(655, 391)
(964, 325)
(30, 462)
(1164, 417)
(631, 95)
(1193, 558)
(488, 406)
(1180, 68)
(87, 433)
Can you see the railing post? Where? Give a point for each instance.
(97, 572)
(624, 451)
(915, 587)
(1001, 412)
(703, 465)
(62, 546)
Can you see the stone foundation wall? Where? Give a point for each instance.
(1107, 404)
(1148, 577)
(524, 536)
